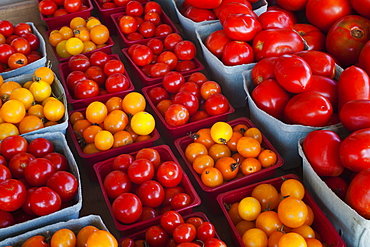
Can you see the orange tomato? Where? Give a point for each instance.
(255, 133)
(267, 158)
(201, 162)
(250, 166)
(96, 112)
(267, 195)
(242, 226)
(89, 133)
(36, 110)
(249, 208)
(292, 212)
(12, 111)
(228, 167)
(122, 138)
(30, 123)
(99, 34)
(234, 140)
(36, 241)
(217, 151)
(292, 188)
(133, 102)
(116, 120)
(17, 60)
(83, 235)
(8, 129)
(211, 177)
(54, 110)
(234, 213)
(104, 140)
(45, 74)
(203, 136)
(23, 95)
(269, 222)
(76, 116)
(193, 150)
(292, 239)
(248, 147)
(101, 238)
(305, 231)
(255, 237)
(63, 237)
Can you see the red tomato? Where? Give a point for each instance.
(198, 15)
(134, 8)
(188, 100)
(293, 73)
(156, 94)
(22, 28)
(190, 87)
(12, 194)
(338, 185)
(5, 52)
(218, 9)
(169, 193)
(140, 170)
(185, 50)
(142, 55)
(72, 5)
(13, 145)
(314, 37)
(275, 19)
(73, 78)
(47, 7)
(347, 37)
(86, 89)
(113, 66)
(122, 162)
(216, 104)
(147, 29)
(364, 61)
(176, 115)
(40, 147)
(237, 53)
(38, 171)
(169, 58)
(362, 7)
(116, 83)
(96, 74)
(323, 155)
(308, 108)
(79, 62)
(276, 42)
(359, 88)
(169, 174)
(354, 150)
(233, 8)
(263, 70)
(6, 28)
(116, 182)
(127, 208)
(155, 236)
(171, 40)
(324, 13)
(65, 184)
(4, 173)
(33, 40)
(320, 62)
(292, 5)
(214, 242)
(205, 231)
(241, 27)
(58, 160)
(151, 193)
(358, 193)
(355, 115)
(128, 24)
(216, 41)
(326, 87)
(99, 58)
(270, 97)
(172, 81)
(18, 163)
(184, 232)
(170, 220)
(6, 219)
(45, 201)
(205, 4)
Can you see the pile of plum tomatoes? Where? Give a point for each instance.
(143, 21)
(275, 215)
(224, 152)
(176, 230)
(34, 180)
(158, 57)
(142, 186)
(94, 75)
(18, 45)
(181, 100)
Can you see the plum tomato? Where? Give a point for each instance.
(274, 18)
(216, 41)
(237, 53)
(354, 115)
(241, 27)
(205, 4)
(314, 37)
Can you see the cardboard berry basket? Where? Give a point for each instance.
(107, 48)
(147, 81)
(29, 68)
(74, 224)
(64, 71)
(211, 193)
(102, 169)
(58, 21)
(58, 92)
(69, 212)
(282, 135)
(354, 229)
(124, 42)
(141, 234)
(174, 132)
(321, 224)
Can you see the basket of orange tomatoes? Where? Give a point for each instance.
(32, 103)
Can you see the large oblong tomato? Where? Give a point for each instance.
(321, 148)
(314, 37)
(354, 151)
(355, 115)
(204, 4)
(241, 27)
(362, 7)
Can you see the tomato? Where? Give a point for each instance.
(323, 14)
(363, 58)
(40, 147)
(157, 94)
(128, 24)
(347, 37)
(38, 171)
(4, 173)
(188, 100)
(6, 219)
(353, 150)
(169, 174)
(236, 53)
(65, 184)
(79, 62)
(362, 7)
(292, 5)
(232, 8)
(6, 28)
(45, 201)
(198, 15)
(357, 196)
(338, 185)
(205, 4)
(354, 115)
(86, 89)
(17, 60)
(276, 42)
(59, 160)
(185, 50)
(214, 242)
(216, 41)
(327, 88)
(142, 123)
(275, 19)
(140, 170)
(13, 194)
(263, 69)
(170, 220)
(13, 145)
(142, 55)
(5, 52)
(211, 176)
(127, 208)
(295, 80)
(358, 89)
(72, 5)
(113, 66)
(184, 232)
(241, 27)
(180, 200)
(216, 104)
(176, 115)
(314, 37)
(151, 193)
(155, 236)
(321, 63)
(270, 97)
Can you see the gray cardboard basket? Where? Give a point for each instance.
(74, 224)
(58, 91)
(72, 212)
(283, 136)
(353, 228)
(29, 68)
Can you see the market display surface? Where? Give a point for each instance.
(189, 123)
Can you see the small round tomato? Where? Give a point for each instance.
(172, 81)
(142, 55)
(151, 193)
(72, 6)
(113, 66)
(170, 220)
(155, 236)
(86, 89)
(185, 50)
(13, 194)
(188, 100)
(216, 104)
(116, 83)
(169, 174)
(140, 170)
(176, 115)
(127, 208)
(45, 201)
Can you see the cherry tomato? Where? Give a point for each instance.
(142, 55)
(185, 50)
(216, 104)
(40, 147)
(13, 145)
(79, 62)
(114, 66)
(86, 89)
(72, 5)
(58, 160)
(151, 193)
(176, 115)
(127, 208)
(45, 201)
(6, 28)
(155, 236)
(169, 174)
(184, 232)
(65, 184)
(140, 170)
(13, 194)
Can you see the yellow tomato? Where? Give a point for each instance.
(142, 123)
(74, 46)
(40, 90)
(62, 50)
(54, 110)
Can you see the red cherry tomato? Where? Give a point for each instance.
(127, 208)
(45, 201)
(72, 6)
(18, 163)
(155, 236)
(6, 28)
(86, 89)
(151, 193)
(216, 104)
(169, 174)
(65, 184)
(13, 145)
(184, 232)
(12, 194)
(140, 170)
(176, 115)
(79, 62)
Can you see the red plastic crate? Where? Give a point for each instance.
(64, 71)
(178, 131)
(59, 21)
(90, 159)
(107, 49)
(211, 193)
(321, 223)
(147, 81)
(124, 42)
(103, 168)
(141, 234)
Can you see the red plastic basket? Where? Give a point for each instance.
(321, 223)
(59, 21)
(81, 103)
(178, 131)
(124, 42)
(211, 193)
(104, 167)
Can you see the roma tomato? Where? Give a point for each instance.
(364, 61)
(205, 4)
(216, 41)
(347, 37)
(338, 185)
(358, 193)
(355, 115)
(314, 37)
(263, 70)
(241, 27)
(198, 15)
(275, 19)
(276, 42)
(293, 73)
(362, 7)
(354, 150)
(308, 108)
(323, 155)
(324, 13)
(292, 5)
(326, 87)
(270, 97)
(320, 62)
(237, 53)
(359, 88)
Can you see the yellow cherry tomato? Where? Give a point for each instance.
(142, 123)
